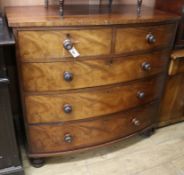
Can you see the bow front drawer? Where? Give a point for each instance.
(40, 77)
(78, 135)
(49, 45)
(90, 103)
(132, 39)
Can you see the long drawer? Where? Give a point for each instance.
(40, 77)
(45, 45)
(92, 102)
(132, 39)
(78, 135)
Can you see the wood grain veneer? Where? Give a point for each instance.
(111, 95)
(89, 133)
(40, 77)
(137, 35)
(44, 45)
(89, 15)
(91, 103)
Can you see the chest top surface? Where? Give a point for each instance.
(83, 15)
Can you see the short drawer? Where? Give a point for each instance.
(90, 103)
(78, 135)
(48, 44)
(40, 77)
(132, 39)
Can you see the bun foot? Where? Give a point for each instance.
(148, 133)
(37, 162)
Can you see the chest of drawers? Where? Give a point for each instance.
(111, 91)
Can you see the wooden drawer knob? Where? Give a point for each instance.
(68, 44)
(68, 138)
(146, 66)
(67, 108)
(141, 94)
(136, 122)
(151, 39)
(68, 76)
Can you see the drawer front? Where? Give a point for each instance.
(92, 103)
(40, 77)
(48, 45)
(78, 135)
(134, 39)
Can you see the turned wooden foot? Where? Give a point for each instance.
(148, 133)
(37, 162)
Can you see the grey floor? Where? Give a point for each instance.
(161, 154)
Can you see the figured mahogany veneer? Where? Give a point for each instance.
(84, 15)
(137, 35)
(44, 45)
(111, 91)
(91, 103)
(45, 139)
(37, 77)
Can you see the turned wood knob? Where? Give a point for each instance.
(68, 138)
(141, 94)
(136, 122)
(150, 38)
(67, 108)
(146, 66)
(68, 44)
(68, 76)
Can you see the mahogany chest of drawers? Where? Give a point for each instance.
(109, 92)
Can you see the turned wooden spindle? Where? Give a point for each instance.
(61, 7)
(139, 7)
